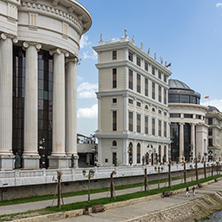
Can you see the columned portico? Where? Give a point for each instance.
(6, 155)
(30, 154)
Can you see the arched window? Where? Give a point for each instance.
(114, 143)
(146, 107)
(138, 153)
(130, 151)
(159, 151)
(153, 110)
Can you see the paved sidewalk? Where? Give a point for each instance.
(42, 204)
(139, 209)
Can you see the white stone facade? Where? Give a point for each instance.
(132, 105)
(56, 27)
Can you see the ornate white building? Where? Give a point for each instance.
(132, 104)
(39, 44)
(188, 130)
(214, 121)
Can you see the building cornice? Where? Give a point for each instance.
(134, 95)
(126, 43)
(134, 137)
(81, 24)
(187, 105)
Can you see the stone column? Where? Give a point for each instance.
(181, 152)
(30, 155)
(134, 152)
(71, 109)
(6, 77)
(193, 142)
(58, 158)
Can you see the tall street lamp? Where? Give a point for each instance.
(89, 176)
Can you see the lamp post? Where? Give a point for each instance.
(89, 176)
(42, 147)
(158, 170)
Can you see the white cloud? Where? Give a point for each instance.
(84, 41)
(87, 90)
(87, 55)
(219, 5)
(88, 113)
(79, 78)
(216, 102)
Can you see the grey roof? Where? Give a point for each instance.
(174, 83)
(212, 108)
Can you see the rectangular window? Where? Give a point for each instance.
(146, 124)
(114, 54)
(146, 66)
(188, 116)
(174, 115)
(198, 116)
(138, 82)
(153, 90)
(210, 132)
(138, 123)
(164, 78)
(160, 92)
(153, 126)
(114, 120)
(114, 100)
(138, 104)
(130, 56)
(131, 121)
(130, 79)
(165, 129)
(130, 101)
(210, 142)
(165, 96)
(153, 71)
(159, 75)
(159, 128)
(114, 78)
(138, 61)
(210, 121)
(146, 87)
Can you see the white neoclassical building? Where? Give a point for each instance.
(39, 44)
(132, 104)
(188, 130)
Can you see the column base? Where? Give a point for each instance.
(7, 162)
(58, 162)
(30, 162)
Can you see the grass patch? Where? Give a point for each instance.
(78, 193)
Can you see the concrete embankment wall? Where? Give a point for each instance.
(186, 212)
(10, 193)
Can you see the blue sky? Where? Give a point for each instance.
(187, 33)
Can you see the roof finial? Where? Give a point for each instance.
(148, 51)
(125, 31)
(133, 39)
(101, 37)
(141, 45)
(154, 55)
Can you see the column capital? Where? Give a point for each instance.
(181, 124)
(4, 36)
(74, 60)
(59, 51)
(25, 45)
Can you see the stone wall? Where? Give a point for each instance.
(196, 209)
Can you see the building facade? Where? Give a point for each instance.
(39, 44)
(188, 130)
(132, 105)
(214, 121)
